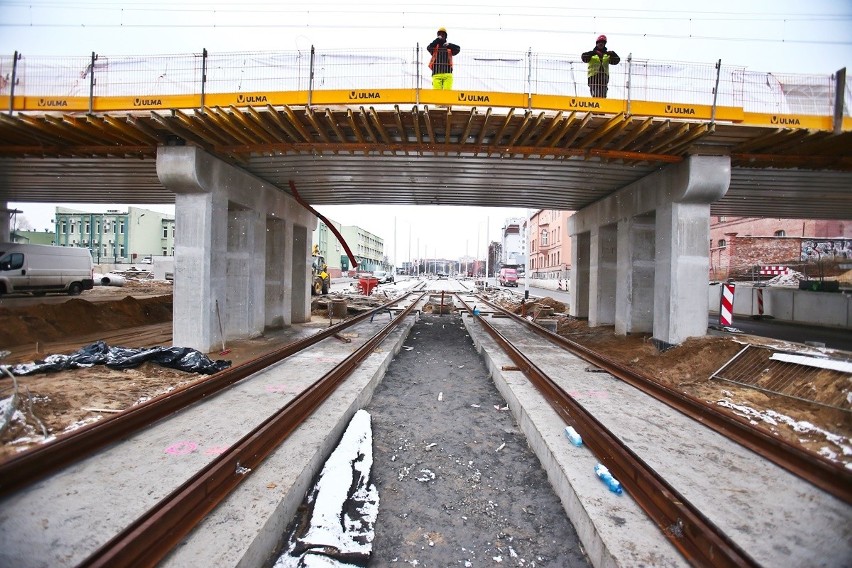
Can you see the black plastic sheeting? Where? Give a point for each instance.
(99, 353)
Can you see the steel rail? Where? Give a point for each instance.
(153, 535)
(699, 540)
(43, 460)
(819, 471)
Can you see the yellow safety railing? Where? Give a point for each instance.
(511, 79)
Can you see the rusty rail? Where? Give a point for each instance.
(153, 535)
(821, 472)
(39, 462)
(693, 534)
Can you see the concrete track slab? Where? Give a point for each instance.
(61, 520)
(777, 518)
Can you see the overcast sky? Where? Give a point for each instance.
(784, 36)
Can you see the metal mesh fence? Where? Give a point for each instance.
(117, 76)
(672, 81)
(786, 93)
(481, 70)
(407, 68)
(257, 72)
(365, 69)
(53, 76)
(7, 62)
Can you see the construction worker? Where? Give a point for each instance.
(599, 60)
(442, 60)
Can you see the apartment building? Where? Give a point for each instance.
(550, 245)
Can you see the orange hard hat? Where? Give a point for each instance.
(601, 38)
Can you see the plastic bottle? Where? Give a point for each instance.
(605, 476)
(572, 435)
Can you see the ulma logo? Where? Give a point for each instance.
(251, 98)
(584, 104)
(353, 95)
(473, 98)
(147, 102)
(785, 120)
(50, 103)
(679, 110)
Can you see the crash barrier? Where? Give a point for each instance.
(789, 304)
(511, 79)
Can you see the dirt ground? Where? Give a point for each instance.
(139, 315)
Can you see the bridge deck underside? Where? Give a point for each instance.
(429, 156)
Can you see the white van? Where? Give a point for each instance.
(44, 268)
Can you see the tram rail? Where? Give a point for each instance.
(814, 468)
(43, 460)
(688, 529)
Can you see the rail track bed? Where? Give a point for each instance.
(762, 514)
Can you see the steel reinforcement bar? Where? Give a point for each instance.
(153, 535)
(700, 541)
(827, 475)
(43, 460)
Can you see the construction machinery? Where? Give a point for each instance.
(321, 281)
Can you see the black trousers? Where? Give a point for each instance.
(598, 85)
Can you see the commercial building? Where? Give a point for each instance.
(116, 236)
(367, 248)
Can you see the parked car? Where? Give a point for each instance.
(507, 277)
(383, 276)
(44, 268)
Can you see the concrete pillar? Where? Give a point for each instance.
(634, 306)
(602, 275)
(662, 255)
(225, 250)
(579, 283)
(300, 284)
(5, 222)
(682, 264)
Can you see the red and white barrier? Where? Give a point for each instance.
(760, 301)
(726, 310)
(774, 270)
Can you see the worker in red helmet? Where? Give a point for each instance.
(599, 60)
(442, 60)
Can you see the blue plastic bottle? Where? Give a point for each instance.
(611, 482)
(572, 435)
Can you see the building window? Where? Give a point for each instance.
(121, 230)
(544, 237)
(165, 232)
(781, 233)
(722, 243)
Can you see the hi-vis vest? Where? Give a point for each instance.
(596, 65)
(434, 60)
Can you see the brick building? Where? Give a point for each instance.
(739, 246)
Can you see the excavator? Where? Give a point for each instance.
(321, 281)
